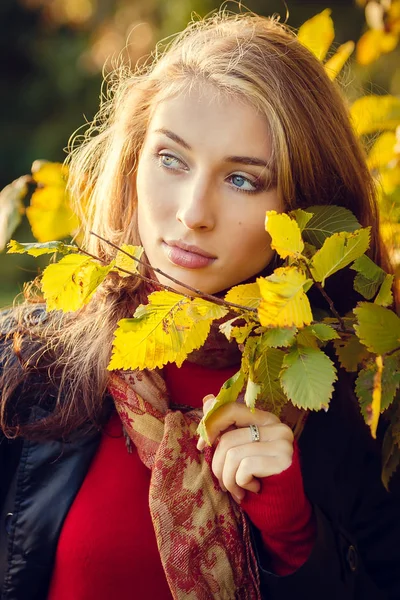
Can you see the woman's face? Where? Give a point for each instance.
(203, 187)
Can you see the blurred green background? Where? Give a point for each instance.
(52, 54)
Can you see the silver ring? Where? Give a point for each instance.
(255, 433)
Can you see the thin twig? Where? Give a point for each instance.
(209, 297)
(327, 298)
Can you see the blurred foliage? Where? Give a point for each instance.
(53, 54)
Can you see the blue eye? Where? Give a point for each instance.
(243, 183)
(169, 161)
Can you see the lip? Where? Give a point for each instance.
(189, 248)
(187, 256)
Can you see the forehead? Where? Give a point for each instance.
(208, 118)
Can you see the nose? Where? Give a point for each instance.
(197, 206)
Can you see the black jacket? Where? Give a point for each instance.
(356, 554)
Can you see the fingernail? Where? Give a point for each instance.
(200, 445)
(208, 397)
(236, 499)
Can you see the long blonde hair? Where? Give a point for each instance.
(316, 157)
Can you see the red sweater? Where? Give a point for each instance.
(107, 546)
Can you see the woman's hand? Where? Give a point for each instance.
(238, 462)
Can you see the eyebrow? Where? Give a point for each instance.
(244, 160)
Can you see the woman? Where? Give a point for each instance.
(234, 119)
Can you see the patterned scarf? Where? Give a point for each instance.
(202, 535)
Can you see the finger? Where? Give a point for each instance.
(238, 415)
(207, 404)
(244, 464)
(208, 401)
(242, 436)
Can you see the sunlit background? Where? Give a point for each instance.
(54, 52)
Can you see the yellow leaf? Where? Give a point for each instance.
(50, 215)
(285, 234)
(247, 294)
(49, 173)
(165, 330)
(284, 303)
(390, 180)
(375, 408)
(335, 64)
(338, 251)
(123, 261)
(318, 33)
(69, 284)
(383, 151)
(373, 43)
(374, 113)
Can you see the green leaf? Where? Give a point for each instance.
(369, 276)
(69, 284)
(165, 330)
(306, 338)
(318, 331)
(323, 332)
(338, 251)
(378, 328)
(385, 295)
(12, 208)
(266, 369)
(351, 353)
(390, 383)
(327, 220)
(122, 261)
(37, 249)
(279, 337)
(247, 294)
(229, 392)
(301, 216)
(307, 378)
(391, 448)
(285, 234)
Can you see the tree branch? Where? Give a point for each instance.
(327, 298)
(210, 297)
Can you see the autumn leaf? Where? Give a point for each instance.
(335, 64)
(375, 113)
(247, 294)
(385, 294)
(284, 302)
(378, 328)
(285, 234)
(378, 382)
(350, 352)
(69, 284)
(37, 249)
(318, 33)
(128, 263)
(373, 43)
(369, 276)
(338, 251)
(165, 330)
(229, 392)
(50, 214)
